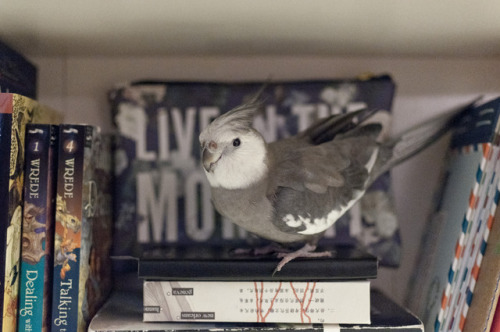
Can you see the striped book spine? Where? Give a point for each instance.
(448, 294)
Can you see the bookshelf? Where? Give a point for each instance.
(439, 54)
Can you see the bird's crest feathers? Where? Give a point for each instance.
(241, 117)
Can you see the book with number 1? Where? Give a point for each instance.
(38, 227)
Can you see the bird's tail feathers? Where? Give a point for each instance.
(417, 138)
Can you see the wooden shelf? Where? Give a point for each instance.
(260, 27)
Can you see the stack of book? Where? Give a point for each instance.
(124, 312)
(213, 289)
(211, 284)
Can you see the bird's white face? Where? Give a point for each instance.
(233, 159)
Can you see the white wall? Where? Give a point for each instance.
(425, 86)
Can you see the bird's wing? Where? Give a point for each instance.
(307, 167)
(310, 181)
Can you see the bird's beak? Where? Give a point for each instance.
(209, 159)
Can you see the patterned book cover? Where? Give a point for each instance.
(15, 112)
(311, 302)
(487, 288)
(448, 238)
(161, 193)
(464, 284)
(83, 228)
(37, 246)
(17, 74)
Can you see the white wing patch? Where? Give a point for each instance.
(318, 225)
(322, 224)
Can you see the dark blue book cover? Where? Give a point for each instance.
(69, 228)
(161, 196)
(37, 247)
(82, 270)
(17, 74)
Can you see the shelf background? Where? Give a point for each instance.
(439, 54)
(258, 27)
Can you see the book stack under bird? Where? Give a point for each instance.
(196, 272)
(196, 284)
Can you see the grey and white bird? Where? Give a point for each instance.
(292, 190)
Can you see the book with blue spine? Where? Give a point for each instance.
(81, 278)
(37, 248)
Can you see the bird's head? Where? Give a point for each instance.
(234, 154)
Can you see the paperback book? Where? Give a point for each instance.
(162, 197)
(83, 228)
(37, 244)
(15, 112)
(341, 302)
(124, 312)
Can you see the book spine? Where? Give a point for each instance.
(68, 228)
(5, 147)
(486, 288)
(459, 269)
(263, 302)
(38, 228)
(478, 249)
(18, 111)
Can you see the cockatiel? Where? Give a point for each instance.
(292, 190)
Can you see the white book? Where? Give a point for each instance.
(342, 302)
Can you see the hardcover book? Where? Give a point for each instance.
(124, 311)
(454, 235)
(15, 112)
(38, 227)
(341, 302)
(208, 262)
(83, 228)
(162, 197)
(17, 74)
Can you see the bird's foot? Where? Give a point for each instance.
(271, 248)
(306, 251)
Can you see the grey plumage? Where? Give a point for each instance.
(293, 190)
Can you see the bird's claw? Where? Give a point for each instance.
(306, 251)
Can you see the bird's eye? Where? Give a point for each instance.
(236, 142)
